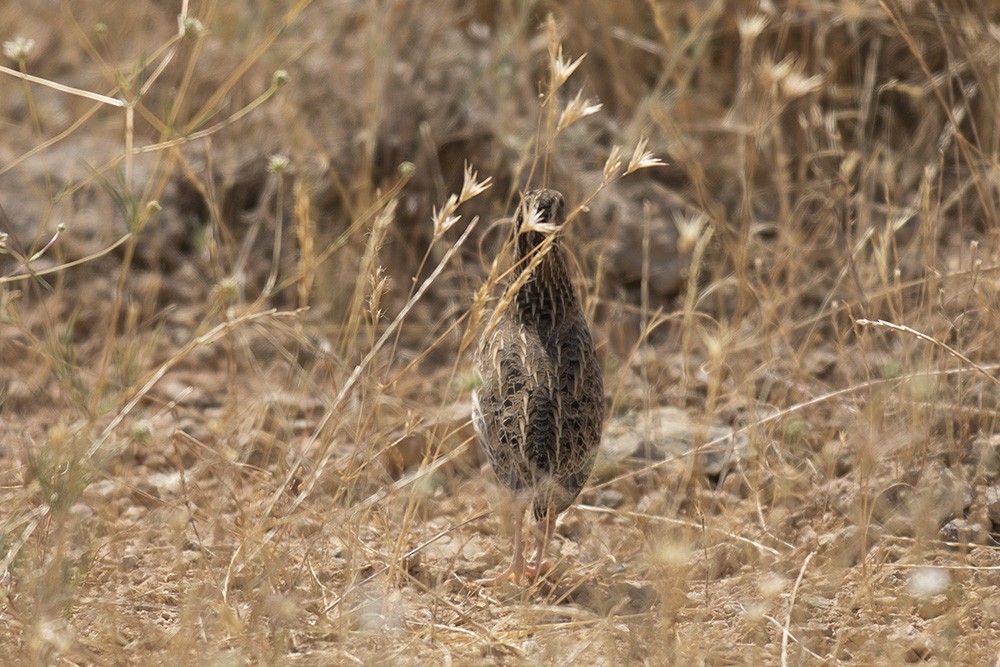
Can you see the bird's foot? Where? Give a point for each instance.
(517, 575)
(512, 574)
(535, 569)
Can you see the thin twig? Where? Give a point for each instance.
(681, 522)
(63, 88)
(922, 336)
(785, 634)
(795, 639)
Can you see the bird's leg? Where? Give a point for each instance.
(545, 532)
(516, 569)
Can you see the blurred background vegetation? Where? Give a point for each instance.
(234, 343)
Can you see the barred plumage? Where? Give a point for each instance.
(540, 408)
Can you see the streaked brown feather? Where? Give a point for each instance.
(540, 408)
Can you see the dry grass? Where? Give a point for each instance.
(236, 309)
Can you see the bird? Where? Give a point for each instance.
(539, 409)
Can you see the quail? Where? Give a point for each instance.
(539, 410)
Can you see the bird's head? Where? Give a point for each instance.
(540, 214)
